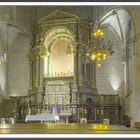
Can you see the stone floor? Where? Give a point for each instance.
(57, 128)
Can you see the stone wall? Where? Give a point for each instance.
(8, 13)
(130, 102)
(110, 76)
(133, 99)
(18, 67)
(25, 17)
(2, 70)
(14, 20)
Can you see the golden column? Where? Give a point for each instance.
(31, 75)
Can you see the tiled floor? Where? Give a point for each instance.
(50, 128)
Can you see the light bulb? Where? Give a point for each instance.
(98, 30)
(93, 56)
(95, 34)
(104, 57)
(99, 65)
(98, 58)
(102, 33)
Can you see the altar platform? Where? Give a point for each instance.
(62, 128)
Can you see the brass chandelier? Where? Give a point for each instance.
(98, 49)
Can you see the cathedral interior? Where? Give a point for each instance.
(48, 63)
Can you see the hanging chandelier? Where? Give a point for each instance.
(98, 49)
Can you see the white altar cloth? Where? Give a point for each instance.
(42, 117)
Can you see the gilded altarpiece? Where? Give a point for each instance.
(60, 71)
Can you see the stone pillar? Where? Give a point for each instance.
(84, 71)
(74, 97)
(89, 74)
(80, 77)
(37, 68)
(31, 75)
(29, 111)
(33, 72)
(78, 114)
(93, 74)
(75, 64)
(41, 70)
(74, 86)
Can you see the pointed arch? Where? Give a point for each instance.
(117, 12)
(122, 22)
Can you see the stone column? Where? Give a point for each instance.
(37, 68)
(29, 111)
(74, 96)
(93, 70)
(80, 77)
(92, 74)
(75, 63)
(84, 71)
(31, 75)
(89, 73)
(74, 86)
(33, 72)
(41, 70)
